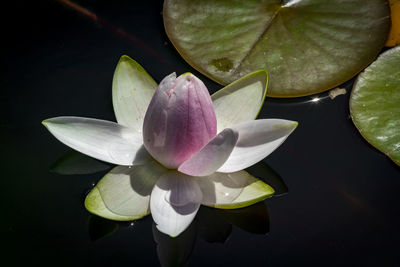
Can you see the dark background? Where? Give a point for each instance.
(342, 207)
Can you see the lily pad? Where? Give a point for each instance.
(375, 104)
(308, 46)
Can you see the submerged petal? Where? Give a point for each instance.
(132, 90)
(174, 202)
(179, 121)
(257, 139)
(211, 157)
(103, 140)
(241, 100)
(232, 190)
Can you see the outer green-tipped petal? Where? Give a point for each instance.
(95, 204)
(126, 191)
(257, 139)
(211, 157)
(174, 202)
(103, 140)
(241, 100)
(232, 190)
(132, 91)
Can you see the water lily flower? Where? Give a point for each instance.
(177, 147)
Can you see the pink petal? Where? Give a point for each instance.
(179, 121)
(212, 156)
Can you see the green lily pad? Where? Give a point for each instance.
(375, 103)
(307, 46)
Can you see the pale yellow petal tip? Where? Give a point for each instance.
(92, 201)
(186, 73)
(129, 60)
(287, 126)
(46, 123)
(126, 58)
(51, 122)
(267, 191)
(263, 71)
(292, 125)
(95, 205)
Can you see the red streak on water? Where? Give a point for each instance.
(89, 14)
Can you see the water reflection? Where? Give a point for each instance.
(212, 225)
(264, 172)
(73, 163)
(99, 227)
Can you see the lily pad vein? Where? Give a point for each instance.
(259, 38)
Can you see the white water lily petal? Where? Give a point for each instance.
(126, 190)
(132, 90)
(211, 157)
(103, 140)
(241, 100)
(257, 139)
(174, 202)
(232, 190)
(94, 204)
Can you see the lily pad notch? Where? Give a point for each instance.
(307, 46)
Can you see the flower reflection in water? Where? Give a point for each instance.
(212, 225)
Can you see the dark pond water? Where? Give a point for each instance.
(342, 204)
